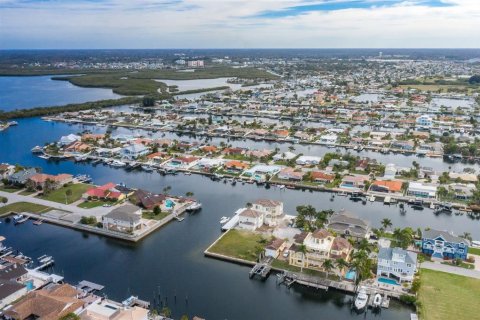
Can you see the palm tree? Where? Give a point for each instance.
(303, 249)
(467, 235)
(68, 193)
(386, 223)
(328, 265)
(341, 264)
(189, 194)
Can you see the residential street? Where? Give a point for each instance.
(450, 269)
(97, 211)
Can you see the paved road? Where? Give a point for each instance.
(97, 212)
(450, 269)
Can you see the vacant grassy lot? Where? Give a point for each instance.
(23, 207)
(475, 251)
(59, 195)
(446, 296)
(239, 244)
(94, 204)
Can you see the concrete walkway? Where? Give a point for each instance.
(97, 211)
(451, 269)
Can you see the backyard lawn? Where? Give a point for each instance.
(239, 244)
(446, 296)
(23, 207)
(59, 195)
(475, 251)
(150, 215)
(10, 189)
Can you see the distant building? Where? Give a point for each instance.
(441, 244)
(272, 210)
(349, 226)
(397, 264)
(421, 190)
(250, 219)
(196, 64)
(134, 151)
(424, 121)
(22, 176)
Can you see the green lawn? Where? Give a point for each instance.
(239, 244)
(23, 207)
(10, 189)
(59, 195)
(94, 204)
(475, 251)
(27, 193)
(151, 216)
(446, 296)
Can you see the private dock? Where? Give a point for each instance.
(262, 269)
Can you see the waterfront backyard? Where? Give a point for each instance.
(445, 296)
(239, 244)
(67, 194)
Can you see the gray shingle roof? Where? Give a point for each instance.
(387, 254)
(432, 234)
(124, 213)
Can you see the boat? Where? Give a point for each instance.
(355, 196)
(387, 200)
(13, 123)
(224, 220)
(44, 156)
(18, 219)
(147, 168)
(281, 186)
(372, 198)
(187, 173)
(195, 206)
(417, 205)
(342, 194)
(377, 300)
(38, 222)
(37, 149)
(361, 299)
(118, 163)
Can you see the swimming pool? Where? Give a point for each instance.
(29, 285)
(169, 203)
(388, 281)
(350, 275)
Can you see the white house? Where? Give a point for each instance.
(390, 171)
(396, 264)
(250, 219)
(308, 160)
(284, 156)
(71, 138)
(272, 211)
(421, 190)
(126, 218)
(424, 121)
(329, 139)
(134, 151)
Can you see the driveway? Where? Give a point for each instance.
(451, 269)
(97, 211)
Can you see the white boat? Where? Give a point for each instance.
(224, 220)
(44, 156)
(37, 149)
(281, 186)
(343, 194)
(194, 206)
(118, 163)
(377, 300)
(372, 198)
(147, 168)
(187, 173)
(361, 299)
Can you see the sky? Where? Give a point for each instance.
(98, 24)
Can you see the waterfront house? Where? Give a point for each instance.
(386, 186)
(183, 162)
(390, 171)
(349, 226)
(39, 180)
(341, 248)
(424, 121)
(126, 218)
(22, 176)
(356, 182)
(51, 302)
(250, 219)
(403, 145)
(67, 140)
(317, 246)
(12, 283)
(444, 245)
(396, 264)
(422, 190)
(329, 139)
(134, 151)
(462, 191)
(106, 191)
(308, 160)
(322, 177)
(6, 170)
(284, 156)
(275, 247)
(235, 166)
(104, 309)
(272, 211)
(77, 147)
(148, 200)
(290, 174)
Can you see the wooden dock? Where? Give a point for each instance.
(290, 278)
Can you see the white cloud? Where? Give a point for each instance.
(232, 24)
